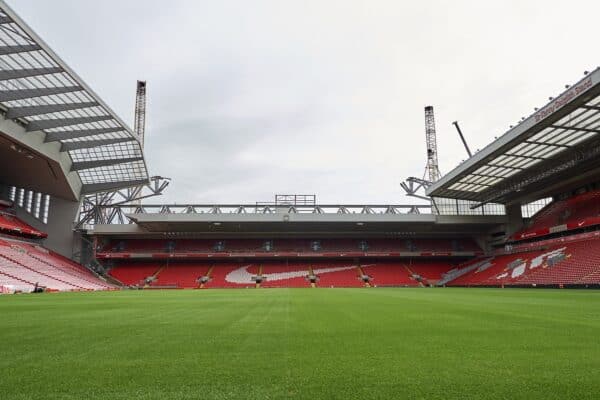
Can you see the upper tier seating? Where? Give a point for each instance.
(12, 225)
(573, 213)
(123, 248)
(22, 265)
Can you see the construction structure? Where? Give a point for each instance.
(432, 170)
(139, 126)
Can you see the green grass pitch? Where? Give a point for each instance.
(302, 344)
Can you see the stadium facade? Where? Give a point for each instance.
(71, 170)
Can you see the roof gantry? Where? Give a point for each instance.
(560, 128)
(39, 91)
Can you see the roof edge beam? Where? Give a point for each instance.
(88, 144)
(28, 72)
(79, 133)
(40, 125)
(10, 95)
(29, 111)
(80, 165)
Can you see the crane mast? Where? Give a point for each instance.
(139, 124)
(432, 170)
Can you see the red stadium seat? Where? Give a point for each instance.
(23, 265)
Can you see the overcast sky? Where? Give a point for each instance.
(252, 98)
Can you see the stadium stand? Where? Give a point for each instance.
(134, 273)
(337, 273)
(12, 225)
(24, 265)
(184, 275)
(232, 275)
(291, 273)
(457, 240)
(563, 263)
(285, 275)
(159, 248)
(579, 211)
(389, 274)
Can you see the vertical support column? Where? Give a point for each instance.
(61, 218)
(514, 218)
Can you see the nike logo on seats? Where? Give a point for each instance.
(242, 276)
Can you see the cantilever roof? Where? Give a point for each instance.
(533, 150)
(39, 91)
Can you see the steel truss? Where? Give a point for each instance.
(108, 207)
(116, 213)
(589, 153)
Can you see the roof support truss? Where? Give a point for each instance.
(24, 48)
(88, 144)
(29, 111)
(40, 125)
(574, 128)
(79, 133)
(547, 144)
(6, 75)
(21, 94)
(79, 165)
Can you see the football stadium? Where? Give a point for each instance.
(486, 287)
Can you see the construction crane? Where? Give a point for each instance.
(139, 126)
(139, 123)
(413, 185)
(432, 170)
(455, 123)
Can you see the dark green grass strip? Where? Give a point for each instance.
(302, 344)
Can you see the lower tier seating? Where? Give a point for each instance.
(329, 273)
(292, 274)
(559, 264)
(555, 263)
(135, 273)
(24, 265)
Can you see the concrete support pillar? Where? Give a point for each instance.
(61, 217)
(514, 218)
